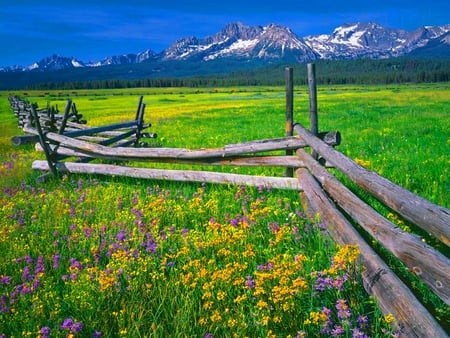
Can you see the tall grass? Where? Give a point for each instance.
(95, 258)
(86, 256)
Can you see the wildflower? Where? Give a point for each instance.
(121, 236)
(362, 321)
(28, 259)
(338, 283)
(26, 275)
(70, 325)
(56, 259)
(5, 280)
(356, 333)
(96, 334)
(40, 267)
(44, 332)
(76, 327)
(343, 309)
(74, 264)
(389, 318)
(66, 324)
(216, 317)
(274, 226)
(249, 282)
(208, 335)
(4, 301)
(322, 284)
(337, 331)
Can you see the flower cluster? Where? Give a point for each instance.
(152, 261)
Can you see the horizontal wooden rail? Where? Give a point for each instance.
(430, 217)
(175, 175)
(145, 154)
(243, 160)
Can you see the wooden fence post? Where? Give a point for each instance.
(289, 78)
(313, 120)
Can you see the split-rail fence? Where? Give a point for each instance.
(70, 145)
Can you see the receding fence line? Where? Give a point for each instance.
(321, 193)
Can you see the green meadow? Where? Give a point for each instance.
(114, 257)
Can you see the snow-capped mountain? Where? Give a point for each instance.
(275, 43)
(437, 47)
(124, 59)
(352, 41)
(370, 40)
(56, 62)
(238, 40)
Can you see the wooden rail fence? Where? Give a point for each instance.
(321, 193)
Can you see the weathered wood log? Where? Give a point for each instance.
(175, 175)
(244, 161)
(144, 154)
(289, 79)
(431, 266)
(96, 130)
(24, 139)
(430, 217)
(412, 319)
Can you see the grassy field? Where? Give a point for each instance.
(92, 256)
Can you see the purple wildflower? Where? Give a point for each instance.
(28, 259)
(96, 334)
(356, 333)
(36, 283)
(40, 266)
(337, 331)
(339, 282)
(26, 275)
(70, 325)
(249, 282)
(56, 258)
(4, 304)
(274, 226)
(362, 321)
(88, 232)
(135, 198)
(76, 327)
(234, 222)
(184, 232)
(343, 310)
(66, 324)
(208, 335)
(45, 332)
(121, 236)
(322, 284)
(265, 267)
(5, 280)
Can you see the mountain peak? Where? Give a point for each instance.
(273, 43)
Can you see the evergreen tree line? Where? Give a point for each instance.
(364, 71)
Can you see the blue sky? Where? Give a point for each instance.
(91, 30)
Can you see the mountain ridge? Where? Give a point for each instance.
(273, 43)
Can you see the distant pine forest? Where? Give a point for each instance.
(328, 72)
